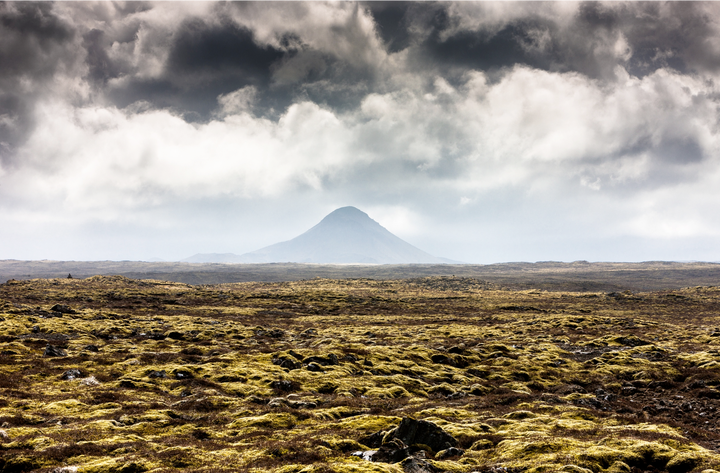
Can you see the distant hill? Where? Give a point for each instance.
(213, 258)
(346, 236)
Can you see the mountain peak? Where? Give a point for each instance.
(346, 213)
(345, 235)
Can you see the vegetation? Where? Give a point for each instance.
(552, 276)
(110, 374)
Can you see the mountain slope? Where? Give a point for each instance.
(347, 235)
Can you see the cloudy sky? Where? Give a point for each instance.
(483, 132)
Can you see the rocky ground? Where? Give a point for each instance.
(109, 374)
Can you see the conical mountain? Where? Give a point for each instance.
(347, 235)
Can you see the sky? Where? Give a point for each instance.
(483, 132)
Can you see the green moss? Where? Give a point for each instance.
(604, 456)
(116, 465)
(369, 423)
(387, 393)
(272, 420)
(619, 467)
(575, 469)
(339, 412)
(683, 462)
(64, 407)
(482, 444)
(518, 415)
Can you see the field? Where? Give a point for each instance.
(549, 275)
(110, 374)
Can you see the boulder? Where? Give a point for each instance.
(52, 350)
(413, 432)
(417, 465)
(284, 385)
(393, 451)
(287, 363)
(63, 309)
(183, 374)
(71, 374)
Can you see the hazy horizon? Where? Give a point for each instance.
(483, 132)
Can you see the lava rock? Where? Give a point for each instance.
(183, 374)
(287, 363)
(417, 465)
(449, 452)
(92, 348)
(295, 355)
(331, 359)
(52, 350)
(412, 432)
(284, 385)
(314, 367)
(393, 451)
(71, 374)
(63, 309)
(442, 360)
(175, 335)
(157, 374)
(373, 440)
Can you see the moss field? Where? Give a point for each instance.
(294, 377)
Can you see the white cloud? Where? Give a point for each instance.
(533, 129)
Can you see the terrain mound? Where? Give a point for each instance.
(346, 235)
(111, 374)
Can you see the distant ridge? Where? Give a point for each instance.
(213, 258)
(345, 236)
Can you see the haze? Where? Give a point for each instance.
(480, 132)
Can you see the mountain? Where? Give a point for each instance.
(346, 235)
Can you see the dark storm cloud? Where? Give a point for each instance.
(100, 66)
(539, 41)
(679, 35)
(392, 23)
(33, 44)
(642, 37)
(200, 48)
(204, 61)
(213, 55)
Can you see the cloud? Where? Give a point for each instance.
(565, 130)
(35, 47)
(427, 113)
